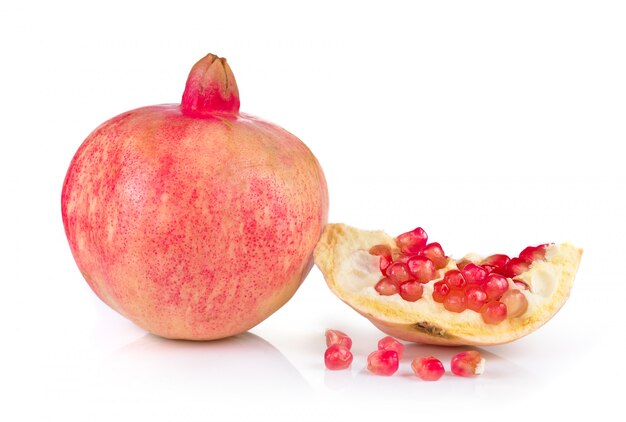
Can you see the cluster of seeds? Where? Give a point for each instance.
(386, 359)
(480, 287)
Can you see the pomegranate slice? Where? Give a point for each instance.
(470, 301)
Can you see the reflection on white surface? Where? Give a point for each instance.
(217, 366)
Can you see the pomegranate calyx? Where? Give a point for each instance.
(211, 89)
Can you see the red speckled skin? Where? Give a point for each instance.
(193, 227)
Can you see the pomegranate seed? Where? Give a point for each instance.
(337, 357)
(398, 272)
(384, 252)
(383, 362)
(489, 268)
(474, 274)
(515, 267)
(497, 260)
(404, 258)
(467, 364)
(516, 303)
(495, 286)
(390, 343)
(455, 301)
(411, 290)
(434, 252)
(493, 312)
(428, 368)
(475, 298)
(440, 291)
(338, 337)
(421, 268)
(386, 287)
(455, 279)
(533, 253)
(413, 241)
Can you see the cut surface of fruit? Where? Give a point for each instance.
(469, 301)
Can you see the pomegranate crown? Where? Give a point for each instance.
(211, 88)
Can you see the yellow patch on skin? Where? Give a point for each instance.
(351, 273)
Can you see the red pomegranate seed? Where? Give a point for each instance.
(383, 362)
(515, 267)
(497, 260)
(421, 268)
(455, 279)
(493, 312)
(403, 258)
(489, 268)
(390, 343)
(475, 298)
(337, 357)
(428, 368)
(440, 291)
(515, 302)
(384, 252)
(474, 274)
(533, 253)
(455, 301)
(434, 252)
(338, 337)
(467, 364)
(413, 241)
(398, 272)
(495, 286)
(386, 287)
(411, 290)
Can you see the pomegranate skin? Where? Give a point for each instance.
(194, 225)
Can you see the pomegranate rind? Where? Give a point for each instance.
(351, 272)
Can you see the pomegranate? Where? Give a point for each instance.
(193, 220)
(422, 295)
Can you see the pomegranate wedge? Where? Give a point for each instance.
(470, 301)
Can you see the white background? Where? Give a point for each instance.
(494, 125)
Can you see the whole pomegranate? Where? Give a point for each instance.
(193, 220)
